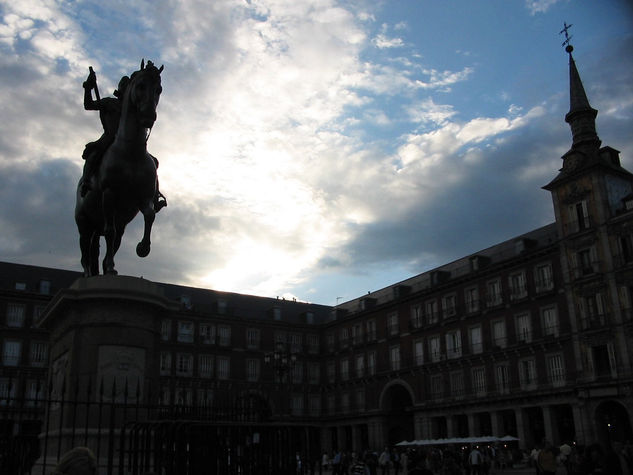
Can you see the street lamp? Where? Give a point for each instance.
(283, 362)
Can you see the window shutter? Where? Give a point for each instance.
(623, 293)
(573, 218)
(600, 307)
(612, 361)
(585, 212)
(573, 263)
(593, 255)
(588, 359)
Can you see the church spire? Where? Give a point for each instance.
(581, 116)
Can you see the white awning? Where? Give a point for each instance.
(457, 440)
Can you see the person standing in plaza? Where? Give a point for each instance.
(358, 467)
(336, 463)
(385, 461)
(475, 460)
(547, 460)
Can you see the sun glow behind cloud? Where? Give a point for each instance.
(289, 133)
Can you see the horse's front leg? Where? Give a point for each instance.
(85, 242)
(143, 247)
(109, 231)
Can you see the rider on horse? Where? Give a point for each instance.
(109, 113)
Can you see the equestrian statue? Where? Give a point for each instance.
(119, 176)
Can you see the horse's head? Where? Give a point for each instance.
(144, 92)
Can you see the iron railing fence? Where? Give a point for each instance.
(230, 435)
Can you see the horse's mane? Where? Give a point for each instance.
(150, 68)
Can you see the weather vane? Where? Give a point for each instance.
(568, 47)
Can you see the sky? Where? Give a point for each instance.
(314, 150)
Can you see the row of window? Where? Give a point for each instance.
(15, 316)
(430, 349)
(12, 353)
(219, 367)
(33, 395)
(432, 310)
(43, 286)
(215, 334)
(208, 334)
(204, 397)
(502, 381)
(453, 384)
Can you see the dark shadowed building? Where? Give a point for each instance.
(532, 337)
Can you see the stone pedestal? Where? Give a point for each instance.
(104, 336)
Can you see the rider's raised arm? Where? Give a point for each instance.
(89, 84)
(89, 103)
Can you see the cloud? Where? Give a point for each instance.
(294, 140)
(428, 112)
(381, 41)
(539, 6)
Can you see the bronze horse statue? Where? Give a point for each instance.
(125, 181)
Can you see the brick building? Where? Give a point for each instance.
(531, 337)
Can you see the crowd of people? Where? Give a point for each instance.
(594, 459)
(567, 459)
(421, 461)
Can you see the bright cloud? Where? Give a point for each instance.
(539, 6)
(288, 133)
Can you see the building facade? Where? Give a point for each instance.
(532, 337)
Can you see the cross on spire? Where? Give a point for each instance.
(568, 47)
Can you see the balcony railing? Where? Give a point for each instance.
(577, 226)
(473, 306)
(453, 353)
(544, 285)
(581, 271)
(393, 329)
(518, 293)
(494, 300)
(10, 360)
(621, 260)
(593, 322)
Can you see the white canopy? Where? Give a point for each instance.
(457, 440)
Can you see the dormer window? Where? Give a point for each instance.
(185, 301)
(310, 317)
(45, 287)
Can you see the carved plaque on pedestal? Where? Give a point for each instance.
(121, 367)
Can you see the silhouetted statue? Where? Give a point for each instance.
(119, 178)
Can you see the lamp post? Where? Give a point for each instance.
(283, 363)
